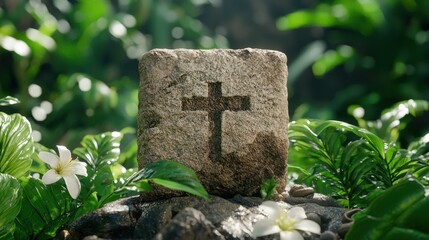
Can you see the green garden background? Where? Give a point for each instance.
(73, 64)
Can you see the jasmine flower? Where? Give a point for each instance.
(63, 167)
(284, 222)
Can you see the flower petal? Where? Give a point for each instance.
(271, 208)
(290, 235)
(308, 226)
(50, 177)
(65, 154)
(79, 168)
(73, 185)
(49, 158)
(265, 227)
(296, 213)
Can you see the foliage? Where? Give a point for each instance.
(15, 134)
(168, 174)
(75, 62)
(30, 209)
(351, 163)
(391, 121)
(44, 210)
(369, 53)
(399, 213)
(268, 188)
(10, 200)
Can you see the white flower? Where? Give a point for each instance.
(63, 167)
(284, 222)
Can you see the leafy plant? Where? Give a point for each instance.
(15, 135)
(10, 202)
(391, 121)
(370, 53)
(268, 188)
(399, 213)
(351, 163)
(29, 209)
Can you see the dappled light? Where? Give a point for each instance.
(295, 101)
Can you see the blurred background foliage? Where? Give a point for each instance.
(73, 63)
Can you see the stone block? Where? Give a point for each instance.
(223, 113)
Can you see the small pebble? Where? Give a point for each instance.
(314, 217)
(301, 191)
(328, 235)
(344, 228)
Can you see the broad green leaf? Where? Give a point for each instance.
(6, 101)
(10, 203)
(172, 175)
(45, 209)
(398, 213)
(88, 205)
(103, 182)
(16, 145)
(99, 150)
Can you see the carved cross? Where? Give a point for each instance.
(215, 104)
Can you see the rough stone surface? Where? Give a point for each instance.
(223, 113)
(189, 224)
(192, 218)
(114, 220)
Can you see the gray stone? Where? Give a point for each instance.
(301, 191)
(330, 216)
(189, 224)
(189, 218)
(318, 198)
(114, 220)
(223, 113)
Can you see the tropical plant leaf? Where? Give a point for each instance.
(98, 150)
(10, 204)
(16, 145)
(44, 209)
(6, 101)
(399, 213)
(169, 174)
(342, 155)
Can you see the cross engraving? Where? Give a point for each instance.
(215, 104)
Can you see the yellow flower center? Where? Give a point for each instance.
(64, 168)
(285, 223)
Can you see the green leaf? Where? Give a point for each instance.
(398, 213)
(6, 101)
(99, 150)
(16, 145)
(388, 125)
(268, 188)
(331, 59)
(169, 174)
(340, 156)
(10, 203)
(103, 182)
(45, 209)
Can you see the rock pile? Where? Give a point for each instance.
(195, 218)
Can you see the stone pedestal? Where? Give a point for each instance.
(223, 113)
